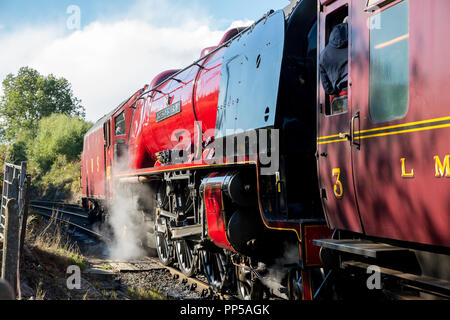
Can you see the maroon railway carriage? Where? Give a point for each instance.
(103, 145)
(384, 161)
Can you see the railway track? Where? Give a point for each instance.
(70, 214)
(76, 217)
(196, 284)
(192, 283)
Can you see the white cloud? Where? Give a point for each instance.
(108, 61)
(241, 23)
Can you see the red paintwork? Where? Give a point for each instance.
(93, 165)
(215, 211)
(161, 136)
(97, 156)
(311, 232)
(197, 88)
(198, 93)
(307, 294)
(162, 76)
(377, 201)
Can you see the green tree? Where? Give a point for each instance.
(58, 135)
(18, 151)
(29, 97)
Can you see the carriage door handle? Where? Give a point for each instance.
(344, 135)
(352, 131)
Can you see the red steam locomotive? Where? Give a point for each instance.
(248, 172)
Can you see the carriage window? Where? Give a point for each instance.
(389, 63)
(107, 133)
(119, 123)
(335, 105)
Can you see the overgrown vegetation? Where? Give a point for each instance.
(48, 252)
(41, 122)
(54, 156)
(50, 238)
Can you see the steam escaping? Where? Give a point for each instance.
(127, 228)
(277, 272)
(127, 220)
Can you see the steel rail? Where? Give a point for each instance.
(196, 283)
(56, 203)
(59, 210)
(71, 223)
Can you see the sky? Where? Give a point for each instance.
(108, 49)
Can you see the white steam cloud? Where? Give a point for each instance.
(277, 271)
(126, 218)
(128, 228)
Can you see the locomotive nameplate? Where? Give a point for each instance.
(168, 112)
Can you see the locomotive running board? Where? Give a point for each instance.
(360, 247)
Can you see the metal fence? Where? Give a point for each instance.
(13, 188)
(13, 219)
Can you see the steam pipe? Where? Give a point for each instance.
(140, 179)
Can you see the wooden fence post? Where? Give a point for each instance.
(11, 244)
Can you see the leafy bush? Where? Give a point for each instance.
(61, 181)
(53, 156)
(58, 135)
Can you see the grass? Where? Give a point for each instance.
(143, 294)
(49, 252)
(107, 267)
(52, 240)
(74, 256)
(40, 293)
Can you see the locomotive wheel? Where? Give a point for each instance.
(249, 288)
(186, 258)
(163, 249)
(295, 286)
(163, 245)
(215, 269)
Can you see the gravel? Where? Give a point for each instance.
(160, 280)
